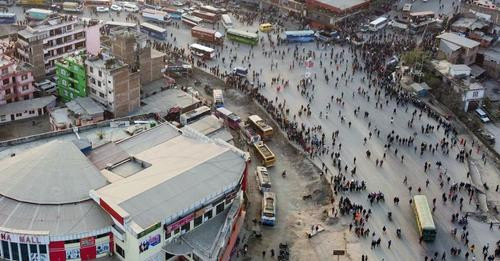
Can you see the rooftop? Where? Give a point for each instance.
(161, 102)
(26, 105)
(85, 107)
(183, 171)
(107, 61)
(340, 4)
(458, 40)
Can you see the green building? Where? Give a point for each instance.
(71, 77)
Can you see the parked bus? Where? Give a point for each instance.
(300, 36)
(226, 21)
(418, 17)
(38, 14)
(265, 131)
(191, 20)
(194, 115)
(153, 31)
(71, 7)
(423, 216)
(210, 9)
(263, 179)
(242, 36)
(206, 16)
(378, 24)
(268, 216)
(231, 119)
(202, 51)
(265, 28)
(112, 24)
(7, 18)
(218, 98)
(174, 13)
(156, 16)
(265, 155)
(207, 35)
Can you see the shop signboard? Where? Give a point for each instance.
(102, 248)
(39, 257)
(87, 242)
(180, 223)
(73, 253)
(149, 243)
(149, 230)
(24, 239)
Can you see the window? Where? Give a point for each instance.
(186, 227)
(219, 208)
(33, 249)
(120, 251)
(15, 251)
(24, 252)
(3, 118)
(24, 77)
(92, 80)
(19, 114)
(93, 91)
(99, 83)
(43, 249)
(32, 112)
(198, 221)
(91, 69)
(100, 73)
(5, 71)
(168, 235)
(101, 94)
(5, 249)
(207, 215)
(7, 91)
(176, 231)
(25, 88)
(6, 81)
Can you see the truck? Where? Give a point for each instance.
(265, 155)
(248, 133)
(71, 7)
(207, 35)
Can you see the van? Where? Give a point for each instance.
(267, 27)
(482, 115)
(130, 8)
(263, 179)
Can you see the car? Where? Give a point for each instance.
(116, 8)
(481, 114)
(102, 9)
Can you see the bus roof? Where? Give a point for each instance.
(7, 14)
(153, 27)
(299, 33)
(254, 118)
(197, 111)
(224, 111)
(226, 18)
(153, 11)
(202, 47)
(203, 29)
(378, 21)
(242, 33)
(424, 13)
(192, 18)
(113, 23)
(42, 11)
(211, 8)
(423, 212)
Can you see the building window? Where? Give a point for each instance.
(120, 251)
(24, 77)
(93, 91)
(5, 71)
(24, 252)
(185, 228)
(91, 69)
(19, 114)
(101, 94)
(177, 230)
(33, 249)
(99, 83)
(6, 81)
(32, 112)
(168, 235)
(198, 221)
(3, 118)
(219, 208)
(92, 80)
(100, 73)
(25, 88)
(207, 215)
(43, 249)
(7, 91)
(15, 251)
(5, 249)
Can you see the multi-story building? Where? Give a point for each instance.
(111, 83)
(131, 197)
(458, 49)
(325, 13)
(71, 77)
(16, 80)
(43, 44)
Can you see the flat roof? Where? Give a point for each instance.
(162, 101)
(341, 4)
(458, 40)
(54, 173)
(183, 172)
(207, 124)
(26, 105)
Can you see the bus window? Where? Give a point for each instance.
(263, 179)
(202, 51)
(423, 217)
(232, 120)
(268, 216)
(218, 98)
(194, 115)
(265, 131)
(267, 27)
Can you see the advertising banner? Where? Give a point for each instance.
(149, 243)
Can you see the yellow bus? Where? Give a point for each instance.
(267, 27)
(265, 154)
(423, 216)
(265, 131)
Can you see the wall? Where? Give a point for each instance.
(93, 39)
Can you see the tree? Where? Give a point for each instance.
(415, 56)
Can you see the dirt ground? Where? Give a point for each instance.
(295, 216)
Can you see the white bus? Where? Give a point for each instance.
(378, 24)
(268, 216)
(130, 8)
(218, 98)
(194, 115)
(263, 179)
(202, 51)
(226, 21)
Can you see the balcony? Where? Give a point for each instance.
(75, 41)
(71, 32)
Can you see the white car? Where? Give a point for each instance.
(116, 8)
(102, 9)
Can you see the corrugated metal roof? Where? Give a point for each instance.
(26, 105)
(458, 40)
(53, 173)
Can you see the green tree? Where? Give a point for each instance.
(415, 56)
